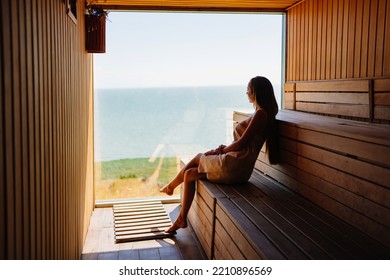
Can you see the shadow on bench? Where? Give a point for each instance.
(264, 220)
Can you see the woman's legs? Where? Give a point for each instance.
(168, 189)
(189, 178)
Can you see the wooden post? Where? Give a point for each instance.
(371, 99)
(295, 96)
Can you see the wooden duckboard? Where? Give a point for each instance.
(140, 220)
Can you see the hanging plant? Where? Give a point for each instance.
(95, 29)
(96, 10)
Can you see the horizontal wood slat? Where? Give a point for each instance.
(197, 4)
(334, 86)
(333, 97)
(341, 98)
(382, 85)
(357, 111)
(382, 112)
(382, 99)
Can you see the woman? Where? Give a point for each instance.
(233, 163)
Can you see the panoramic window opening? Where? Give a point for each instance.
(166, 89)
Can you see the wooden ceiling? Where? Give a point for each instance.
(199, 5)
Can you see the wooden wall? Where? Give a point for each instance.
(46, 125)
(338, 39)
(338, 64)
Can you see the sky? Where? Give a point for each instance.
(188, 49)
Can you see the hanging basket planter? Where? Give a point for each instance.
(95, 32)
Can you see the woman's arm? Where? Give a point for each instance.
(257, 125)
(216, 151)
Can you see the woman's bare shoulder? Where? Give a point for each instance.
(260, 114)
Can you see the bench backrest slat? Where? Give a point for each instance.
(363, 99)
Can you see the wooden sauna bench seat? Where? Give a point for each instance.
(267, 219)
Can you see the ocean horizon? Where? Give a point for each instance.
(154, 122)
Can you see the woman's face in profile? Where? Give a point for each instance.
(249, 92)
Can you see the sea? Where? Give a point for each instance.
(155, 122)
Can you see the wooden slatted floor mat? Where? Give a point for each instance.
(140, 220)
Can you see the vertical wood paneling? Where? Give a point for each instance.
(315, 41)
(24, 133)
(46, 122)
(340, 13)
(386, 56)
(380, 38)
(16, 88)
(8, 130)
(30, 130)
(3, 225)
(301, 41)
(35, 202)
(333, 44)
(305, 36)
(40, 165)
(358, 39)
(365, 39)
(351, 17)
(329, 38)
(55, 77)
(372, 38)
(319, 41)
(338, 39)
(297, 53)
(345, 42)
(43, 120)
(49, 128)
(310, 40)
(291, 45)
(324, 40)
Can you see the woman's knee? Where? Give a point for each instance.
(191, 174)
(197, 158)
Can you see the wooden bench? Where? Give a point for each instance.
(329, 198)
(358, 99)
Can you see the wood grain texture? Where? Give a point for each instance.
(340, 165)
(326, 199)
(47, 163)
(362, 99)
(249, 5)
(341, 40)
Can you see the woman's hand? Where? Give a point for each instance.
(211, 152)
(216, 151)
(220, 149)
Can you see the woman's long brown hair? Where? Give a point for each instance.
(265, 98)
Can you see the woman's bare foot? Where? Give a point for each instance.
(179, 223)
(167, 190)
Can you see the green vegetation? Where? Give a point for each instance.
(137, 168)
(133, 178)
(128, 176)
